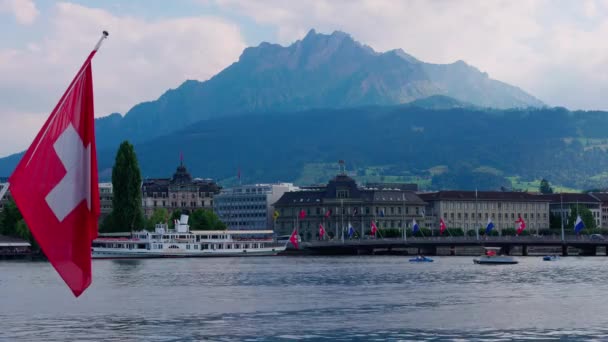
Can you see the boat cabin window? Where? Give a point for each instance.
(237, 246)
(187, 246)
(205, 246)
(174, 247)
(195, 246)
(213, 236)
(246, 245)
(220, 246)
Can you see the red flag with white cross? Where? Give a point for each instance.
(294, 238)
(55, 184)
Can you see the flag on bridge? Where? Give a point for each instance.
(442, 226)
(321, 231)
(302, 214)
(579, 224)
(374, 228)
(521, 225)
(55, 185)
(415, 227)
(351, 230)
(489, 226)
(328, 213)
(294, 238)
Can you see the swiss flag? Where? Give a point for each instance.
(374, 228)
(521, 225)
(294, 238)
(321, 231)
(442, 226)
(55, 184)
(302, 214)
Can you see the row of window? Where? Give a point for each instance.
(242, 199)
(183, 196)
(495, 205)
(492, 215)
(229, 215)
(182, 204)
(241, 207)
(378, 211)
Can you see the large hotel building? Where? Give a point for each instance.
(342, 203)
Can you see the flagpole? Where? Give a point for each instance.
(362, 224)
(476, 216)
(342, 218)
(403, 223)
(561, 197)
(104, 35)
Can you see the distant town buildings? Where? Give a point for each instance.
(105, 198)
(341, 204)
(471, 209)
(178, 192)
(250, 207)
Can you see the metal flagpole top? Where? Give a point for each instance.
(104, 35)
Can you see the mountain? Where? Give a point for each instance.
(258, 108)
(319, 71)
(457, 148)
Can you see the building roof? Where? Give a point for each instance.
(602, 196)
(482, 196)
(571, 197)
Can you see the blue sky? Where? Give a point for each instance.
(554, 50)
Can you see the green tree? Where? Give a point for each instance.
(586, 216)
(545, 187)
(9, 218)
(160, 215)
(555, 220)
(127, 214)
(202, 219)
(23, 231)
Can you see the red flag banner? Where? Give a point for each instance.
(521, 225)
(294, 239)
(302, 214)
(442, 226)
(321, 231)
(374, 228)
(55, 184)
(328, 213)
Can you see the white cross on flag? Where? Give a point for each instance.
(55, 184)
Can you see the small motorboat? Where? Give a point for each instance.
(551, 258)
(491, 257)
(421, 259)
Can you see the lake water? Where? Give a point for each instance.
(309, 298)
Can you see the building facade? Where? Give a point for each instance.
(342, 203)
(105, 198)
(250, 207)
(180, 192)
(470, 209)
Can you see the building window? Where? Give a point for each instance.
(342, 194)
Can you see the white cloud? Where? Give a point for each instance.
(25, 11)
(139, 61)
(524, 43)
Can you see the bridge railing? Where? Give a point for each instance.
(459, 239)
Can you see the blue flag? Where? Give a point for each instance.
(415, 227)
(382, 213)
(351, 230)
(489, 227)
(578, 225)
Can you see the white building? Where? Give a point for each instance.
(105, 198)
(250, 207)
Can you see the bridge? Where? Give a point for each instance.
(429, 245)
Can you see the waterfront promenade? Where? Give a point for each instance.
(430, 245)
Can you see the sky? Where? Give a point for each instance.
(554, 49)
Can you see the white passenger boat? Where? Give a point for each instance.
(181, 242)
(491, 257)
